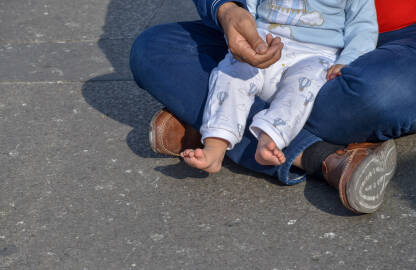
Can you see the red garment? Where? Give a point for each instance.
(395, 14)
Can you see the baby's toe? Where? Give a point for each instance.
(282, 157)
(188, 153)
(191, 153)
(199, 153)
(276, 152)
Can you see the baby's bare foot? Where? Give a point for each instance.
(267, 152)
(208, 159)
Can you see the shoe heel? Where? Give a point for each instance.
(152, 131)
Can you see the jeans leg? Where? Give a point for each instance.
(173, 63)
(404, 33)
(374, 99)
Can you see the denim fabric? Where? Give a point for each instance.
(375, 97)
(373, 100)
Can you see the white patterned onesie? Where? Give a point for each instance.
(312, 31)
(290, 86)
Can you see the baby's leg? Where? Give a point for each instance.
(232, 89)
(289, 109)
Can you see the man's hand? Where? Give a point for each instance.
(243, 39)
(334, 71)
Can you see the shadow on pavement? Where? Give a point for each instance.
(124, 102)
(325, 197)
(404, 182)
(115, 94)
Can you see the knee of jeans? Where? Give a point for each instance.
(350, 105)
(377, 106)
(141, 48)
(137, 53)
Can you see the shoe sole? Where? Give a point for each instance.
(367, 185)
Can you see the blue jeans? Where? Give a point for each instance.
(374, 99)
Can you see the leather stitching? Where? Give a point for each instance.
(163, 127)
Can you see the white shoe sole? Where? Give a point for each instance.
(367, 185)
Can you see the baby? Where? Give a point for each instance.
(320, 37)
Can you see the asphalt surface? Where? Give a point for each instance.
(81, 189)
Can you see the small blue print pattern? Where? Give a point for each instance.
(304, 83)
(279, 122)
(222, 96)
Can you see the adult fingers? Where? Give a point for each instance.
(276, 47)
(276, 56)
(247, 28)
(269, 39)
(261, 60)
(275, 41)
(243, 51)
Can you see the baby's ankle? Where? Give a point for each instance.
(264, 137)
(215, 144)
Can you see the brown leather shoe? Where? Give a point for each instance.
(361, 173)
(169, 135)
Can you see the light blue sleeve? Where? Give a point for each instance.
(360, 32)
(252, 6)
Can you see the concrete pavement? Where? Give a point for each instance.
(81, 189)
